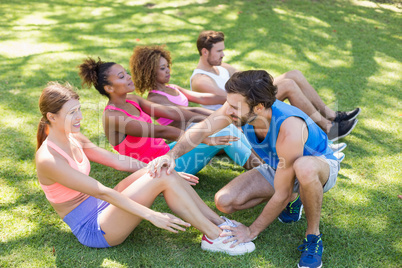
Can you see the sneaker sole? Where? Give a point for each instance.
(307, 266)
(340, 149)
(347, 133)
(355, 115)
(341, 158)
(224, 251)
(300, 213)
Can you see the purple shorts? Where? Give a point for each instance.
(84, 223)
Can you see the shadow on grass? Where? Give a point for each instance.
(104, 29)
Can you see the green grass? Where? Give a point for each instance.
(350, 51)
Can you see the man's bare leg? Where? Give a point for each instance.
(309, 92)
(312, 174)
(288, 89)
(243, 192)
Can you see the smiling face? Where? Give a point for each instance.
(68, 118)
(216, 54)
(120, 81)
(163, 71)
(239, 110)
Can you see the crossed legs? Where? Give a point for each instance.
(295, 87)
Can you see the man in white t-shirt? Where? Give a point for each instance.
(211, 75)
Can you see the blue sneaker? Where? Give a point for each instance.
(292, 212)
(311, 249)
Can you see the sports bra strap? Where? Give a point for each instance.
(136, 105)
(60, 151)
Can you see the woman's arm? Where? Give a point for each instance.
(175, 113)
(104, 157)
(116, 121)
(161, 99)
(202, 98)
(58, 170)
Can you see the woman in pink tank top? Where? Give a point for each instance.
(98, 215)
(155, 62)
(127, 123)
(150, 68)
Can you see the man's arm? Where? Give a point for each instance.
(192, 137)
(204, 84)
(289, 147)
(230, 68)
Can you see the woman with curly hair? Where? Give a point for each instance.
(150, 69)
(99, 216)
(129, 128)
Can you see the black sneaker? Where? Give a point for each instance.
(345, 116)
(341, 129)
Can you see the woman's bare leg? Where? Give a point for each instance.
(118, 224)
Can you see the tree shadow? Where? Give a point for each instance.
(112, 29)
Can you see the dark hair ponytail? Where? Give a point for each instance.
(95, 73)
(52, 99)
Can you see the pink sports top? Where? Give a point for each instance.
(181, 99)
(56, 192)
(144, 149)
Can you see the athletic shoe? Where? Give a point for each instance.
(311, 249)
(292, 212)
(232, 224)
(227, 222)
(346, 116)
(341, 129)
(217, 245)
(337, 147)
(340, 156)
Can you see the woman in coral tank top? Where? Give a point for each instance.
(100, 216)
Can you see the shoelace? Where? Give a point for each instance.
(310, 246)
(230, 223)
(294, 208)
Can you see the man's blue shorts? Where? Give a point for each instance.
(84, 222)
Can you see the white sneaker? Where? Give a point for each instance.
(217, 245)
(337, 147)
(232, 224)
(227, 222)
(340, 156)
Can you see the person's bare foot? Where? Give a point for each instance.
(400, 196)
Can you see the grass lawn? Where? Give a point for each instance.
(350, 51)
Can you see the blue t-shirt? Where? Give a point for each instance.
(316, 144)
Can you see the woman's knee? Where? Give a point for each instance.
(168, 179)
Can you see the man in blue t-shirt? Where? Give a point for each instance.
(299, 166)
